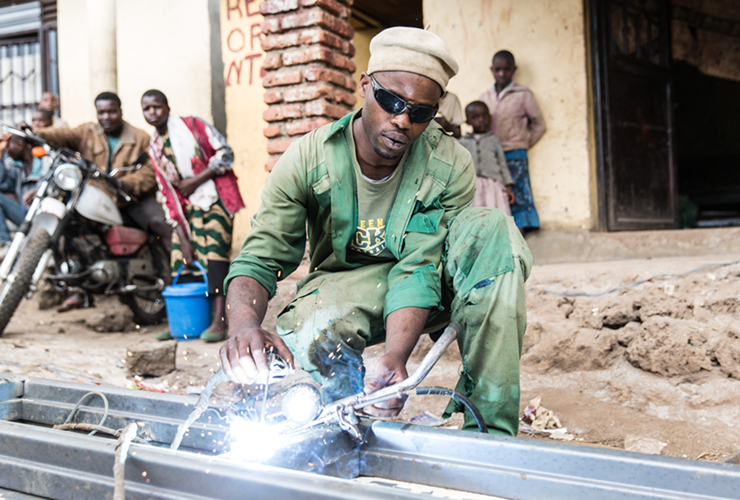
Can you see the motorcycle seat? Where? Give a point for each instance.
(124, 240)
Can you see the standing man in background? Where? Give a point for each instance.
(113, 143)
(50, 102)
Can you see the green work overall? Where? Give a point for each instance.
(337, 314)
(464, 264)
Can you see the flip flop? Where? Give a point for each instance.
(211, 336)
(164, 336)
(70, 304)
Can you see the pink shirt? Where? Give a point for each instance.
(516, 118)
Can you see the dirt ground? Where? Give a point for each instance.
(659, 360)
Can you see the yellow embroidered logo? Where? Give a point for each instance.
(369, 237)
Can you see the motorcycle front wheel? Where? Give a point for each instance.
(19, 280)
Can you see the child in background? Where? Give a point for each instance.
(517, 121)
(493, 182)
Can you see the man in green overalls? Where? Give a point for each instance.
(395, 252)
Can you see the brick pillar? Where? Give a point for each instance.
(308, 68)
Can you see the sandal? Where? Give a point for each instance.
(164, 335)
(74, 302)
(213, 336)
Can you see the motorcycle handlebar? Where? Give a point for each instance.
(25, 133)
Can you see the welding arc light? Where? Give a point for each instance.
(67, 176)
(302, 403)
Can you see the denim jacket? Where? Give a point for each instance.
(11, 176)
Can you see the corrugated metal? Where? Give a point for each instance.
(21, 18)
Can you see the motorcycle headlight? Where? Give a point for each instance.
(67, 176)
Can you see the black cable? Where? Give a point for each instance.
(444, 391)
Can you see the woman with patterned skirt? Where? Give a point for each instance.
(193, 164)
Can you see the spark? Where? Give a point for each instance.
(143, 474)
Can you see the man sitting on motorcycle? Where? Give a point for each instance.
(112, 143)
(12, 151)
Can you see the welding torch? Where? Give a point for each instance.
(343, 410)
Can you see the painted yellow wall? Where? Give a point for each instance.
(74, 62)
(362, 55)
(166, 49)
(547, 39)
(173, 56)
(242, 55)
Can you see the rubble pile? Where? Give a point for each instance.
(670, 327)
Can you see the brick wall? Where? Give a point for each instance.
(308, 68)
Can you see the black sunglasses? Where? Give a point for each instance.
(395, 105)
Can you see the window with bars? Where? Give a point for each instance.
(28, 57)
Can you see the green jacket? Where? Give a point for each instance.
(313, 187)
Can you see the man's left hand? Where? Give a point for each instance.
(188, 186)
(391, 369)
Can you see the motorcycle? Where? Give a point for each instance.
(74, 220)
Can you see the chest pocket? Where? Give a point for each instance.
(322, 191)
(428, 210)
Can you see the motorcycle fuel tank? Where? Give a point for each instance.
(95, 204)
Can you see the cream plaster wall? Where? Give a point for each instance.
(242, 55)
(173, 56)
(361, 42)
(164, 44)
(74, 62)
(547, 39)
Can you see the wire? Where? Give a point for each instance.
(77, 407)
(632, 284)
(444, 391)
(58, 373)
(119, 472)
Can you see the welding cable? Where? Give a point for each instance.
(444, 391)
(119, 471)
(99, 428)
(77, 407)
(632, 284)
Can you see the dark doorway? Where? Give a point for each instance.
(631, 56)
(706, 76)
(387, 13)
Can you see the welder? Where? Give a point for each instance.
(383, 197)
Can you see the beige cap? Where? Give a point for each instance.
(412, 50)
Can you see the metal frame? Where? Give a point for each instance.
(35, 459)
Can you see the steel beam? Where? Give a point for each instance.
(62, 465)
(529, 469)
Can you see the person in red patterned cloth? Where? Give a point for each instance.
(193, 164)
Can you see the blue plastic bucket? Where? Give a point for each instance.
(188, 307)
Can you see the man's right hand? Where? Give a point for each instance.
(244, 355)
(28, 197)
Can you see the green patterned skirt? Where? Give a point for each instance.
(211, 232)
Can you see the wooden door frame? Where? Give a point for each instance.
(597, 47)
